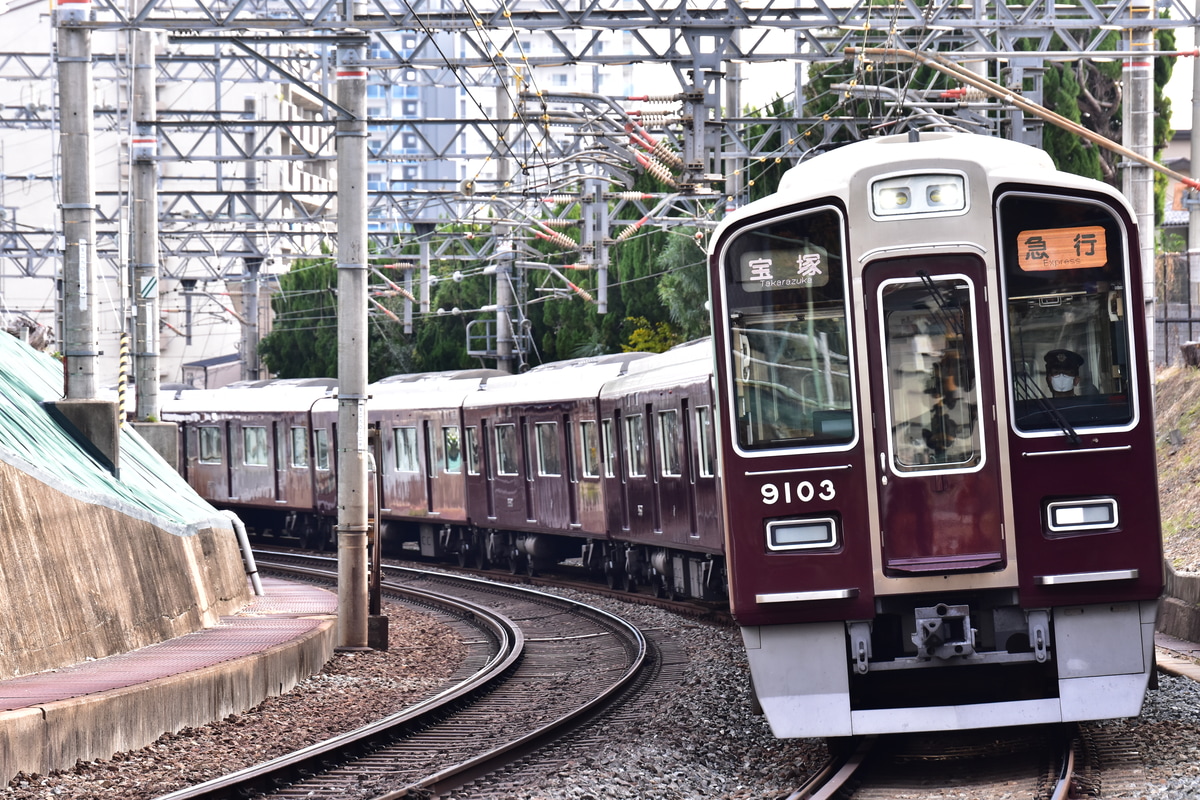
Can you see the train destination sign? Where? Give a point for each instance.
(769, 270)
(1062, 248)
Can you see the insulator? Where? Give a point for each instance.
(665, 153)
(631, 230)
(558, 222)
(559, 198)
(659, 171)
(558, 239)
(631, 196)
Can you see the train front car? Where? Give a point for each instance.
(937, 441)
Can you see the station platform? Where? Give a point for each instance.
(50, 720)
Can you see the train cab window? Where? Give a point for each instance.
(668, 442)
(299, 447)
(635, 445)
(321, 448)
(548, 455)
(1065, 277)
(707, 454)
(506, 450)
(789, 350)
(472, 450)
(408, 457)
(210, 444)
(451, 450)
(254, 438)
(610, 449)
(929, 345)
(589, 442)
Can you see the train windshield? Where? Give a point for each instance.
(1065, 281)
(789, 351)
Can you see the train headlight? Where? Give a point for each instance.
(1093, 514)
(918, 194)
(801, 534)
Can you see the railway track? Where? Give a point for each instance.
(539, 666)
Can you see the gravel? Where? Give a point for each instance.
(694, 739)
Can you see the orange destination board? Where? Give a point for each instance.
(1062, 248)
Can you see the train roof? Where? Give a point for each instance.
(832, 172)
(258, 397)
(683, 364)
(430, 389)
(559, 381)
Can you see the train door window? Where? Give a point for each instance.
(408, 457)
(1066, 273)
(321, 446)
(254, 440)
(472, 450)
(299, 447)
(668, 442)
(548, 455)
(451, 449)
(506, 449)
(635, 445)
(788, 339)
(928, 330)
(281, 440)
(707, 453)
(210, 444)
(589, 442)
(610, 449)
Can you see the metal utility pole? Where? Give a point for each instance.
(351, 132)
(1138, 125)
(1193, 197)
(78, 202)
(144, 194)
(504, 267)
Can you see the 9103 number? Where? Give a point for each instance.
(803, 491)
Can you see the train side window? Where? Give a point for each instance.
(408, 457)
(635, 445)
(610, 449)
(299, 447)
(210, 444)
(254, 437)
(321, 446)
(788, 341)
(1065, 276)
(506, 449)
(668, 442)
(708, 453)
(472, 450)
(548, 455)
(590, 447)
(451, 449)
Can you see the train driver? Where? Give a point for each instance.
(1062, 372)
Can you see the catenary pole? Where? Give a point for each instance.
(144, 192)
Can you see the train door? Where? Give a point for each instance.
(572, 473)
(430, 455)
(935, 427)
(279, 435)
(489, 469)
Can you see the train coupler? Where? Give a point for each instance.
(860, 645)
(944, 632)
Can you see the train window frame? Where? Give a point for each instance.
(635, 446)
(589, 448)
(670, 435)
(774, 308)
(254, 446)
(978, 454)
(549, 454)
(471, 449)
(210, 444)
(1094, 300)
(451, 450)
(609, 438)
(507, 455)
(299, 436)
(321, 448)
(706, 455)
(406, 446)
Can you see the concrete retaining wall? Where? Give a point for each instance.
(1179, 610)
(81, 581)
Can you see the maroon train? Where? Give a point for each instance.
(589, 459)
(920, 466)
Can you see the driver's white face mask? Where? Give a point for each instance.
(1062, 383)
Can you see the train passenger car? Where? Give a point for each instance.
(249, 448)
(531, 446)
(937, 441)
(659, 468)
(419, 458)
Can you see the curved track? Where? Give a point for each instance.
(540, 666)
